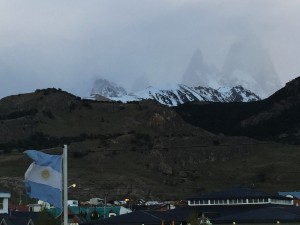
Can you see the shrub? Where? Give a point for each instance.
(49, 114)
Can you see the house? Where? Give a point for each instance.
(138, 218)
(239, 196)
(89, 213)
(266, 215)
(73, 217)
(18, 218)
(9, 220)
(81, 213)
(96, 201)
(245, 205)
(232, 206)
(18, 207)
(10, 217)
(162, 207)
(4, 196)
(35, 207)
(73, 203)
(295, 195)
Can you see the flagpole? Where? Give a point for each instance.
(65, 183)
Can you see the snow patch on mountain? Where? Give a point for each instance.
(173, 95)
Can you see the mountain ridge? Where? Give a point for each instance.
(274, 118)
(173, 95)
(148, 150)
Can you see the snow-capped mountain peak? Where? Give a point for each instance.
(176, 94)
(237, 94)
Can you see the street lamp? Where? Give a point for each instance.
(72, 185)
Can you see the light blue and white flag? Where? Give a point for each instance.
(43, 178)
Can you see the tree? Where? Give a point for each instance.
(44, 218)
(193, 218)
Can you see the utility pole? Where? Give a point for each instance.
(104, 213)
(65, 179)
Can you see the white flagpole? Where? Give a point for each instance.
(65, 179)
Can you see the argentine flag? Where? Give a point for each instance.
(43, 178)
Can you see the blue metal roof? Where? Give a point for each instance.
(16, 221)
(137, 217)
(266, 214)
(19, 218)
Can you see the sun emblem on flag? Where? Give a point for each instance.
(45, 174)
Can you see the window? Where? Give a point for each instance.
(1, 203)
(112, 214)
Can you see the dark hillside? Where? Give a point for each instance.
(138, 150)
(274, 119)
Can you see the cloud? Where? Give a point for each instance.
(68, 44)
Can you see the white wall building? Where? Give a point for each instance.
(4, 196)
(239, 196)
(73, 203)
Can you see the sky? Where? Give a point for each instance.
(68, 44)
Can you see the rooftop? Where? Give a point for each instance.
(242, 192)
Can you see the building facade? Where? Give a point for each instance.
(239, 196)
(4, 196)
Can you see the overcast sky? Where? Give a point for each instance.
(68, 44)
